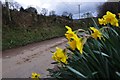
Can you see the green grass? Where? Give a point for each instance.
(17, 36)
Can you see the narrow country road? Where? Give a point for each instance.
(36, 57)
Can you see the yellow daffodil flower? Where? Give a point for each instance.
(69, 33)
(60, 56)
(115, 23)
(35, 76)
(102, 21)
(73, 40)
(96, 33)
(76, 43)
(72, 44)
(109, 18)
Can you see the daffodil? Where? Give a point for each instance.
(60, 56)
(73, 40)
(76, 43)
(35, 76)
(102, 21)
(115, 23)
(69, 33)
(96, 33)
(109, 18)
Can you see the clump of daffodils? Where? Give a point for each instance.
(109, 18)
(75, 43)
(90, 54)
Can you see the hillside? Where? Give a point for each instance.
(26, 27)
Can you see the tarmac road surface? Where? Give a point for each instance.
(36, 57)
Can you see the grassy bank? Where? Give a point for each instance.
(13, 35)
(18, 36)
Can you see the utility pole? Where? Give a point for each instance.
(8, 11)
(79, 10)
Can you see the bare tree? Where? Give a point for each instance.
(70, 15)
(14, 5)
(87, 15)
(44, 11)
(22, 9)
(52, 13)
(3, 5)
(31, 10)
(17, 5)
(65, 14)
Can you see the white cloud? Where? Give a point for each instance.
(61, 5)
(81, 0)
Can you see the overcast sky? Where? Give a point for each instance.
(59, 6)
